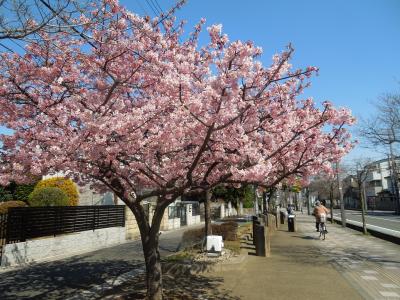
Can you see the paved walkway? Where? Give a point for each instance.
(347, 265)
(81, 275)
(371, 265)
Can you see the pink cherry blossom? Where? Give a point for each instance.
(134, 107)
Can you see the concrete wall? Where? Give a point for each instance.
(51, 248)
(174, 223)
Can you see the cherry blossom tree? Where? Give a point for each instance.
(134, 107)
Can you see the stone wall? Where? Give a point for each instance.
(51, 248)
(88, 196)
(131, 226)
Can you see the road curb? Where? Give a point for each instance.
(382, 233)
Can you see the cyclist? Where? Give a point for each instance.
(290, 209)
(318, 211)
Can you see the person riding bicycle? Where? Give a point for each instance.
(318, 211)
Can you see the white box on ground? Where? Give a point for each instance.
(214, 243)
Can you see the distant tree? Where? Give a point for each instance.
(383, 128)
(361, 168)
(244, 194)
(326, 187)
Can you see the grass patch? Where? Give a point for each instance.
(234, 246)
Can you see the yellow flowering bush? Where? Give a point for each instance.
(64, 184)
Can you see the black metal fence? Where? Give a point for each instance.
(31, 222)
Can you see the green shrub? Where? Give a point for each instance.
(48, 196)
(65, 184)
(228, 231)
(5, 195)
(6, 205)
(22, 191)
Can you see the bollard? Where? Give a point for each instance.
(255, 221)
(264, 219)
(283, 217)
(260, 239)
(292, 223)
(276, 221)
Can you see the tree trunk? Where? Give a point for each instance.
(361, 196)
(207, 213)
(265, 203)
(331, 204)
(308, 201)
(150, 238)
(153, 269)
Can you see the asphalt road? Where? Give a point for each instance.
(64, 278)
(382, 219)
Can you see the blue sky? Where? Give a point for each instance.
(355, 43)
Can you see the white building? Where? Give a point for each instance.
(380, 178)
(379, 185)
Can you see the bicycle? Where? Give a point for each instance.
(322, 227)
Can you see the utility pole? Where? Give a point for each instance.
(363, 202)
(342, 211)
(393, 170)
(394, 177)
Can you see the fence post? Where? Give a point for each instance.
(123, 216)
(94, 218)
(55, 213)
(23, 227)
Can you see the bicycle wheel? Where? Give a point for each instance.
(323, 231)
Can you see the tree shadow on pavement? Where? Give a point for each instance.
(57, 280)
(307, 237)
(182, 286)
(300, 254)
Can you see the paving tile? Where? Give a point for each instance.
(369, 278)
(391, 268)
(390, 285)
(370, 272)
(389, 294)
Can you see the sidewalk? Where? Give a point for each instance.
(346, 265)
(82, 276)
